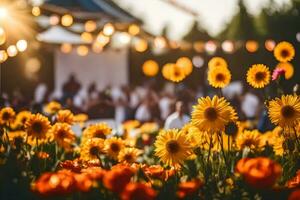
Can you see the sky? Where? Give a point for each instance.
(213, 15)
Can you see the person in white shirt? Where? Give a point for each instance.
(250, 105)
(178, 119)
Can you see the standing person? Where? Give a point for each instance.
(178, 119)
(70, 88)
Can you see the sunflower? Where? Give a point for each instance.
(172, 147)
(81, 118)
(212, 114)
(92, 149)
(129, 155)
(218, 77)
(285, 111)
(52, 107)
(63, 135)
(17, 138)
(37, 126)
(113, 146)
(65, 116)
(7, 116)
(22, 118)
(284, 52)
(217, 62)
(251, 139)
(194, 135)
(288, 68)
(186, 64)
(100, 130)
(173, 72)
(258, 76)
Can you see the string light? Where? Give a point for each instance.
(54, 20)
(66, 48)
(252, 46)
(2, 36)
(97, 47)
(82, 50)
(210, 47)
(3, 12)
(198, 61)
(12, 51)
(90, 26)
(134, 29)
(124, 38)
(141, 45)
(32, 65)
(3, 56)
(186, 64)
(150, 68)
(87, 37)
(270, 45)
(102, 39)
(36, 11)
(67, 20)
(108, 29)
(160, 42)
(22, 45)
(228, 46)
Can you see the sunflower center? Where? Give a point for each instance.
(99, 134)
(37, 127)
(284, 53)
(210, 114)
(115, 147)
(94, 151)
(6, 116)
(172, 146)
(61, 134)
(128, 157)
(259, 76)
(248, 143)
(176, 73)
(287, 111)
(220, 77)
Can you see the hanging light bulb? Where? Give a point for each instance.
(66, 48)
(54, 20)
(3, 56)
(2, 36)
(82, 50)
(252, 46)
(22, 45)
(133, 29)
(90, 26)
(210, 47)
(228, 46)
(160, 42)
(87, 37)
(67, 20)
(36, 11)
(270, 45)
(141, 45)
(108, 29)
(12, 51)
(102, 39)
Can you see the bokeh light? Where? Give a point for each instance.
(12, 51)
(198, 61)
(150, 68)
(90, 26)
(186, 64)
(133, 29)
(252, 46)
(3, 56)
(36, 11)
(82, 50)
(270, 45)
(108, 29)
(67, 20)
(66, 48)
(22, 45)
(2, 36)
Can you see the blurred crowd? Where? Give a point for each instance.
(169, 105)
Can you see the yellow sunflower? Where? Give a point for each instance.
(92, 149)
(251, 139)
(16, 138)
(129, 155)
(100, 130)
(22, 118)
(218, 77)
(63, 135)
(52, 107)
(172, 147)
(7, 116)
(113, 146)
(37, 126)
(65, 116)
(285, 111)
(284, 52)
(258, 76)
(217, 62)
(288, 68)
(212, 114)
(173, 72)
(81, 118)
(194, 135)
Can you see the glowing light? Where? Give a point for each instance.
(97, 47)
(186, 64)
(210, 47)
(228, 46)
(2, 36)
(199, 46)
(198, 61)
(3, 12)
(67, 20)
(252, 46)
(90, 26)
(36, 11)
(102, 39)
(141, 45)
(66, 48)
(32, 65)
(298, 37)
(22, 45)
(87, 37)
(150, 68)
(174, 44)
(160, 42)
(270, 45)
(108, 29)
(82, 50)
(3, 56)
(124, 38)
(12, 51)
(134, 29)
(54, 20)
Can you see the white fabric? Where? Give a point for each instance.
(175, 121)
(40, 92)
(164, 106)
(250, 105)
(143, 113)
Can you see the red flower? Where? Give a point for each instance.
(137, 191)
(188, 188)
(295, 181)
(295, 195)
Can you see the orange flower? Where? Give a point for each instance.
(59, 183)
(188, 188)
(135, 191)
(42, 155)
(259, 172)
(117, 178)
(95, 173)
(158, 172)
(83, 182)
(65, 116)
(295, 181)
(295, 195)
